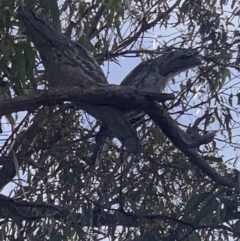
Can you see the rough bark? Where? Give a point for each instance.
(182, 140)
(99, 95)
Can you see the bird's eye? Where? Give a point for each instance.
(186, 56)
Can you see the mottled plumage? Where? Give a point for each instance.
(68, 64)
(152, 75)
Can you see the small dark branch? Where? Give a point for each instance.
(198, 140)
(146, 26)
(193, 131)
(3, 149)
(88, 10)
(160, 217)
(8, 170)
(14, 206)
(161, 16)
(198, 121)
(95, 20)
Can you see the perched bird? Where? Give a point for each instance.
(69, 64)
(154, 74)
(151, 75)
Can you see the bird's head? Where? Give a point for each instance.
(173, 63)
(154, 74)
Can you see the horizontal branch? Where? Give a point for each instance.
(100, 217)
(122, 97)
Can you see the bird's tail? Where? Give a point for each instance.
(115, 125)
(103, 143)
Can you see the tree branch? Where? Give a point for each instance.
(122, 97)
(125, 98)
(183, 142)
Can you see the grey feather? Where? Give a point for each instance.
(151, 75)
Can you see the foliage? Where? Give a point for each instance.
(158, 195)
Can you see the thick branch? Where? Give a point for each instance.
(122, 97)
(183, 141)
(109, 95)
